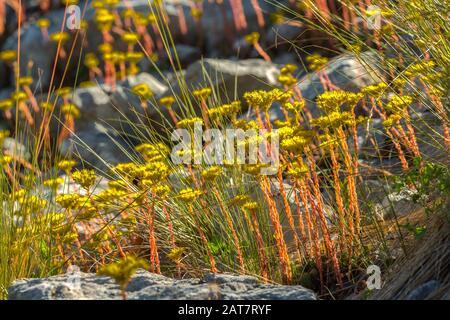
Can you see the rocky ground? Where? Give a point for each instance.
(148, 286)
(101, 106)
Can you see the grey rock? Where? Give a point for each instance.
(232, 78)
(398, 204)
(148, 286)
(15, 148)
(346, 72)
(185, 54)
(286, 35)
(115, 109)
(36, 49)
(424, 290)
(97, 146)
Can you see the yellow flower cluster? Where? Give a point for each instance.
(298, 170)
(316, 61)
(252, 38)
(70, 109)
(333, 119)
(53, 183)
(153, 152)
(374, 90)
(189, 195)
(226, 110)
(211, 173)
(202, 94)
(189, 122)
(143, 91)
(261, 98)
(86, 178)
(399, 104)
(66, 165)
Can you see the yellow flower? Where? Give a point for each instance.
(250, 205)
(153, 152)
(25, 81)
(333, 119)
(66, 165)
(294, 144)
(392, 120)
(226, 110)
(176, 254)
(316, 61)
(189, 195)
(374, 90)
(86, 178)
(211, 173)
(8, 55)
(46, 106)
(167, 101)
(123, 270)
(91, 61)
(202, 94)
(104, 19)
(118, 184)
(19, 96)
(70, 109)
(295, 107)
(6, 104)
(287, 80)
(127, 170)
(130, 37)
(253, 37)
(154, 171)
(59, 36)
(5, 159)
(260, 98)
(64, 91)
(143, 91)
(134, 57)
(189, 123)
(196, 13)
(54, 183)
(298, 171)
(161, 191)
(71, 201)
(330, 101)
(399, 104)
(288, 68)
(239, 200)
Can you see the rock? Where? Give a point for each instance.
(36, 49)
(115, 109)
(97, 147)
(217, 37)
(346, 72)
(186, 55)
(398, 204)
(231, 78)
(286, 35)
(148, 286)
(13, 147)
(425, 290)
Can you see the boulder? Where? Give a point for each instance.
(346, 71)
(97, 146)
(76, 285)
(231, 78)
